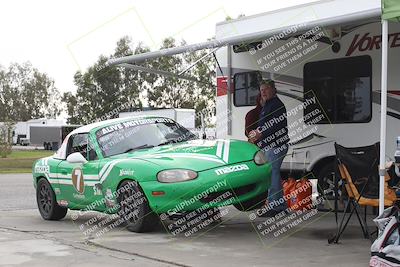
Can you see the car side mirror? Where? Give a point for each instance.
(76, 158)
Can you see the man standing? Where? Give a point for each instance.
(272, 137)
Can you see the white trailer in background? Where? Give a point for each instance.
(324, 56)
(49, 136)
(21, 132)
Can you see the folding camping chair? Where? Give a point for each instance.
(358, 168)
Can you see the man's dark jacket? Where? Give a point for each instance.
(273, 108)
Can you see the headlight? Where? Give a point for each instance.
(173, 176)
(259, 158)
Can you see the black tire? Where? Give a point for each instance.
(325, 181)
(46, 201)
(252, 204)
(134, 208)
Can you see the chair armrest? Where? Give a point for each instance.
(388, 165)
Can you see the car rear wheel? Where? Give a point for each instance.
(46, 201)
(134, 208)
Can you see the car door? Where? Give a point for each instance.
(79, 181)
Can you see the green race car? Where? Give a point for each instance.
(141, 167)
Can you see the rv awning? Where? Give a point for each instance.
(259, 27)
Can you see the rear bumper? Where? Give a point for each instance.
(209, 189)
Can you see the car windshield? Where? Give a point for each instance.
(139, 134)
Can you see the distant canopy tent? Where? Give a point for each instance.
(390, 11)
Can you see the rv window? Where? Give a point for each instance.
(246, 88)
(342, 88)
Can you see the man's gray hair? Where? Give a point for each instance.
(268, 82)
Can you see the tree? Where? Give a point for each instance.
(6, 130)
(169, 92)
(173, 92)
(103, 91)
(26, 93)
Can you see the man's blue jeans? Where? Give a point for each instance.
(275, 192)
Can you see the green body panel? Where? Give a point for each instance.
(102, 177)
(184, 196)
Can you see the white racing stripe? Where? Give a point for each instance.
(69, 182)
(198, 157)
(219, 148)
(104, 168)
(69, 176)
(109, 169)
(226, 151)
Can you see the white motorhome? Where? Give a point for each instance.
(325, 58)
(339, 65)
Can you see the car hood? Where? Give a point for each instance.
(197, 155)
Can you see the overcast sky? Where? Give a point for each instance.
(61, 37)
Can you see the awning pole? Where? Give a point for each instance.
(383, 116)
(229, 88)
(197, 61)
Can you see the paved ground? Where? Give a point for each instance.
(27, 240)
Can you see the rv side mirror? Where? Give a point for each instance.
(76, 158)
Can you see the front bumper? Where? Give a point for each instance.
(209, 189)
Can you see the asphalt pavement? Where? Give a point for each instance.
(238, 240)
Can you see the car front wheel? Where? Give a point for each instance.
(46, 201)
(134, 208)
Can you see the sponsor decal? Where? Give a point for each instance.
(129, 124)
(78, 196)
(234, 168)
(62, 203)
(126, 172)
(42, 169)
(57, 190)
(109, 198)
(77, 180)
(97, 190)
(365, 42)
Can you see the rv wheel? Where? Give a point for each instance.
(326, 184)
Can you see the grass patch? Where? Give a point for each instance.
(20, 161)
(29, 154)
(15, 170)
